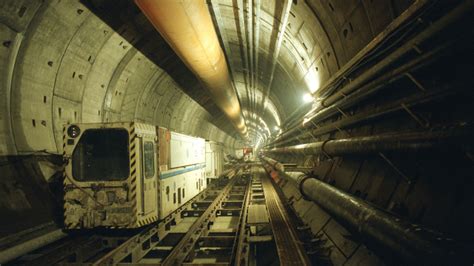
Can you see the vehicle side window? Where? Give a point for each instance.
(149, 159)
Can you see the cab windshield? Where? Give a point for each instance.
(101, 155)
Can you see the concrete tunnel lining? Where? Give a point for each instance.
(86, 61)
(63, 62)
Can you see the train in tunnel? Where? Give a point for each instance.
(130, 174)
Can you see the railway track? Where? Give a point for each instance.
(192, 233)
(223, 225)
(290, 250)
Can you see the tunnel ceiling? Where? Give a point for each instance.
(277, 51)
(281, 50)
(101, 60)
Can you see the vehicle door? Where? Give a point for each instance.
(148, 176)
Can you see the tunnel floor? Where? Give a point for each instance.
(243, 219)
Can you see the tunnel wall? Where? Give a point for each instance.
(27, 200)
(427, 186)
(61, 64)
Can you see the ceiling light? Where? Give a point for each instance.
(308, 98)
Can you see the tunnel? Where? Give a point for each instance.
(353, 119)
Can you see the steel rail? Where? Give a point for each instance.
(241, 250)
(185, 246)
(289, 248)
(152, 233)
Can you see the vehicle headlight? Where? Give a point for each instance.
(73, 131)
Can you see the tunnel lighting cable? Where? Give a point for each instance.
(379, 50)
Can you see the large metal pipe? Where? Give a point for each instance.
(285, 14)
(407, 141)
(369, 89)
(377, 113)
(444, 22)
(412, 242)
(345, 69)
(188, 28)
(358, 83)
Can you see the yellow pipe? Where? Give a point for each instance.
(188, 28)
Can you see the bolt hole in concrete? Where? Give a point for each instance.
(21, 11)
